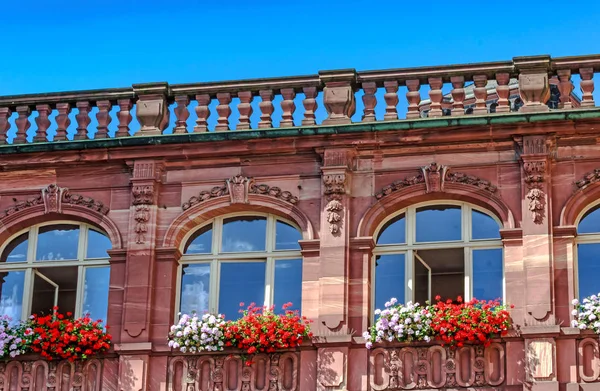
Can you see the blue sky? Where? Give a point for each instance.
(67, 45)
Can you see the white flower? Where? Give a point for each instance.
(574, 312)
(575, 302)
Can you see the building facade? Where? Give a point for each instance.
(335, 192)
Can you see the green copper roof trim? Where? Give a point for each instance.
(379, 126)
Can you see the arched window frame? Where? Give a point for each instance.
(411, 245)
(216, 257)
(583, 238)
(31, 263)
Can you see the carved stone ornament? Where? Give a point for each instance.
(54, 198)
(143, 196)
(435, 176)
(238, 189)
(588, 179)
(335, 188)
(534, 178)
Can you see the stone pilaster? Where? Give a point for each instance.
(540, 315)
(136, 343)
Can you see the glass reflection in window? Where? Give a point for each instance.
(288, 284)
(11, 294)
(439, 223)
(590, 223)
(195, 285)
(487, 274)
(95, 292)
(393, 232)
(98, 245)
(241, 282)
(483, 226)
(588, 269)
(57, 242)
(244, 234)
(16, 251)
(389, 279)
(201, 241)
(286, 237)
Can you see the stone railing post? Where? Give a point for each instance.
(534, 86)
(338, 95)
(152, 109)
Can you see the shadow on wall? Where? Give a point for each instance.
(327, 376)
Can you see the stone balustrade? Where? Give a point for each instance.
(277, 371)
(327, 98)
(437, 367)
(24, 374)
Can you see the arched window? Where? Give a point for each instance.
(241, 258)
(62, 264)
(449, 249)
(588, 252)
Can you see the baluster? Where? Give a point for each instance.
(224, 111)
(245, 110)
(266, 109)
(5, 114)
(565, 87)
(181, 114)
(23, 124)
(83, 120)
(310, 106)
(587, 87)
(391, 100)
(202, 112)
(103, 117)
(62, 121)
(43, 123)
(369, 101)
(458, 95)
(124, 116)
(503, 91)
(480, 92)
(414, 98)
(436, 96)
(288, 107)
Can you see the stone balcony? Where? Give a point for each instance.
(299, 105)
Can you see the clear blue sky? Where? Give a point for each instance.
(66, 45)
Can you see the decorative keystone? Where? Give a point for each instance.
(152, 109)
(534, 87)
(338, 95)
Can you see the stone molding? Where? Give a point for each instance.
(238, 188)
(53, 198)
(434, 176)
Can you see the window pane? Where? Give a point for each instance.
(57, 242)
(484, 226)
(590, 222)
(389, 279)
(487, 274)
(47, 281)
(286, 237)
(394, 231)
(195, 285)
(95, 292)
(201, 241)
(242, 234)
(241, 282)
(439, 223)
(588, 268)
(288, 284)
(97, 244)
(11, 294)
(16, 251)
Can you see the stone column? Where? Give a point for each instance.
(136, 343)
(152, 109)
(534, 86)
(540, 316)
